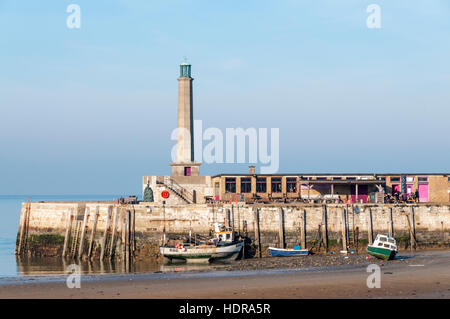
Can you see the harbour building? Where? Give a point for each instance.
(186, 185)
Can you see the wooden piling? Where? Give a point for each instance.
(325, 227)
(244, 232)
(391, 223)
(347, 224)
(27, 227)
(23, 227)
(257, 231)
(228, 218)
(239, 220)
(353, 226)
(127, 240)
(105, 234)
(94, 229)
(303, 230)
(370, 227)
(133, 232)
(232, 218)
(124, 244)
(344, 229)
(281, 236)
(67, 235)
(83, 232)
(412, 230)
(113, 235)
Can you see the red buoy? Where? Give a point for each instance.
(165, 194)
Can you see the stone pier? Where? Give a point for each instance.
(44, 225)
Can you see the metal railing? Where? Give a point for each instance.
(181, 191)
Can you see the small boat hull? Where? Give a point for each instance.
(202, 254)
(288, 252)
(381, 253)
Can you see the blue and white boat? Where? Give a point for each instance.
(296, 251)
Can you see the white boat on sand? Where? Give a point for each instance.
(202, 253)
(223, 246)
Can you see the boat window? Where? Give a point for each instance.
(380, 244)
(392, 241)
(386, 245)
(382, 238)
(228, 236)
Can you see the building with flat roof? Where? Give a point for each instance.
(354, 188)
(185, 185)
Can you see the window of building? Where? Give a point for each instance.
(304, 178)
(350, 178)
(337, 178)
(321, 178)
(261, 185)
(230, 185)
(187, 171)
(291, 184)
(423, 179)
(276, 184)
(409, 179)
(246, 185)
(382, 178)
(395, 179)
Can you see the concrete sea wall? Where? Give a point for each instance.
(51, 228)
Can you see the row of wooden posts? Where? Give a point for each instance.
(76, 233)
(323, 228)
(24, 229)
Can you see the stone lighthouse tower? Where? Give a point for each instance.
(184, 164)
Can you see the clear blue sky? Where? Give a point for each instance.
(90, 111)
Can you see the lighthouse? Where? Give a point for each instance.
(185, 164)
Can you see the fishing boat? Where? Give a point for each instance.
(222, 246)
(296, 251)
(202, 253)
(384, 247)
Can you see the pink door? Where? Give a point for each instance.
(395, 188)
(423, 192)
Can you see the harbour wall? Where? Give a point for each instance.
(51, 228)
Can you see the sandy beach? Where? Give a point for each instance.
(414, 275)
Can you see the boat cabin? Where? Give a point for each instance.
(223, 234)
(384, 241)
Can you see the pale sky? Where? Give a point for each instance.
(91, 110)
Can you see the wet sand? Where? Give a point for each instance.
(413, 275)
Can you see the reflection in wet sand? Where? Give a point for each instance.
(185, 267)
(58, 266)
